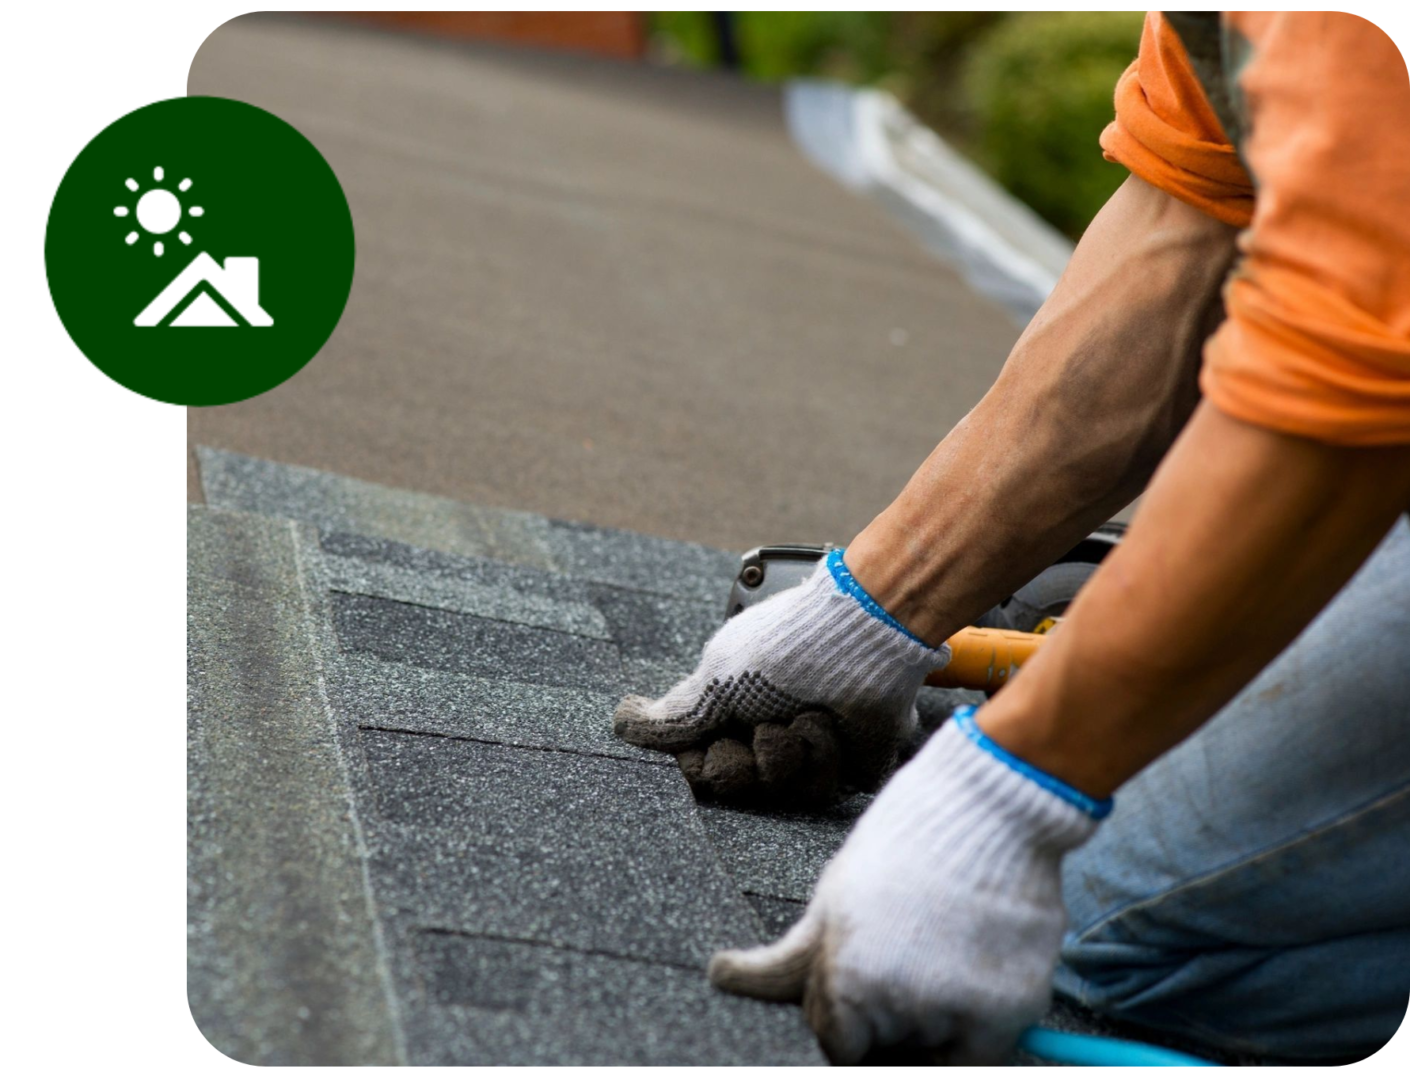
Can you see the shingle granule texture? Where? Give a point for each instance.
(413, 835)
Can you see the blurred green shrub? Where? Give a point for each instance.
(1025, 94)
(850, 45)
(683, 37)
(1039, 86)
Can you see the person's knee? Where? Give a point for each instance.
(1118, 978)
(1340, 1000)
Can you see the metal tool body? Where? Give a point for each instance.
(983, 656)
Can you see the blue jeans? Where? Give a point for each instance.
(1252, 887)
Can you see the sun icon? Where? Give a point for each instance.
(158, 211)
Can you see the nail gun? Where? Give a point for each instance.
(985, 655)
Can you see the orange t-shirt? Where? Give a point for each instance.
(1317, 338)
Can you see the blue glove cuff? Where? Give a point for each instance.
(846, 583)
(963, 718)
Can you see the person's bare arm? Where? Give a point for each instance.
(1094, 393)
(796, 701)
(1242, 538)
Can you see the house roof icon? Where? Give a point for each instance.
(237, 283)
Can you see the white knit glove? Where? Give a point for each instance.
(938, 923)
(796, 700)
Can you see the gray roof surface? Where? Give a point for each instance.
(413, 835)
(523, 888)
(600, 291)
(592, 292)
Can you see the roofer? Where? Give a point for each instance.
(1251, 886)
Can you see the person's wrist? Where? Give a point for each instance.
(880, 642)
(1031, 727)
(878, 561)
(960, 775)
(844, 581)
(1094, 805)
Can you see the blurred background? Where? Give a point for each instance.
(724, 277)
(634, 293)
(1023, 94)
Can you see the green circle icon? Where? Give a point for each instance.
(199, 251)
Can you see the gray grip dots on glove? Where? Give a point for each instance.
(794, 701)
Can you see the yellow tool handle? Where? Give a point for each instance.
(984, 659)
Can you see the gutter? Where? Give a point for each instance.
(869, 142)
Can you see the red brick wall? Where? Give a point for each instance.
(607, 33)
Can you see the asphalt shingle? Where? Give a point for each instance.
(466, 644)
(283, 954)
(658, 629)
(596, 854)
(491, 589)
(521, 373)
(342, 504)
(242, 549)
(633, 560)
(514, 1003)
(776, 914)
(650, 677)
(573, 879)
(779, 855)
(472, 697)
(486, 600)
(402, 697)
(414, 837)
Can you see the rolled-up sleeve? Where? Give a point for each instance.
(1317, 339)
(1166, 133)
(1316, 342)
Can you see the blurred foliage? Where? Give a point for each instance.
(850, 45)
(1041, 87)
(1025, 94)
